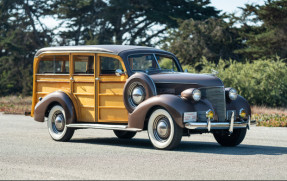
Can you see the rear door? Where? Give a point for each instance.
(83, 85)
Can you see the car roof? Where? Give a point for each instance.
(110, 49)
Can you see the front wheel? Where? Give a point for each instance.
(124, 134)
(57, 125)
(163, 132)
(233, 139)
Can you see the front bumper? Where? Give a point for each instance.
(219, 125)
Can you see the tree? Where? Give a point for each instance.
(212, 38)
(126, 21)
(21, 34)
(264, 30)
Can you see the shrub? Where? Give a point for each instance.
(270, 120)
(262, 82)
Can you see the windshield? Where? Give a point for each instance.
(152, 62)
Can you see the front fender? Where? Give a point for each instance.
(174, 104)
(237, 104)
(53, 98)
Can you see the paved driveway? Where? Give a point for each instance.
(28, 152)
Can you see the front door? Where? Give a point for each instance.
(110, 103)
(83, 84)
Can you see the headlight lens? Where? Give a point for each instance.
(209, 114)
(196, 94)
(242, 113)
(232, 94)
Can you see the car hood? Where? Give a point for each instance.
(198, 80)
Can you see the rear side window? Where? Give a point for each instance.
(58, 64)
(83, 64)
(109, 65)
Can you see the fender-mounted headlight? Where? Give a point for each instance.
(191, 94)
(196, 94)
(231, 93)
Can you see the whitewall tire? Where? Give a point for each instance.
(57, 124)
(163, 132)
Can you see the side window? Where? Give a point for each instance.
(142, 62)
(166, 63)
(109, 65)
(83, 64)
(58, 64)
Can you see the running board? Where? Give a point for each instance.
(103, 126)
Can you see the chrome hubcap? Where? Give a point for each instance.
(59, 122)
(161, 128)
(137, 95)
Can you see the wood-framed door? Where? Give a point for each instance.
(83, 85)
(109, 89)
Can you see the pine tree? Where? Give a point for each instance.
(264, 30)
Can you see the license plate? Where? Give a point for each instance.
(190, 117)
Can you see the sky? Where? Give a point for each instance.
(231, 6)
(228, 6)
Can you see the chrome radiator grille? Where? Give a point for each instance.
(216, 96)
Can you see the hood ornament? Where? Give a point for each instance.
(214, 72)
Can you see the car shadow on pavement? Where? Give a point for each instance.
(189, 146)
(242, 149)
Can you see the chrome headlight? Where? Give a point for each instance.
(191, 94)
(232, 93)
(196, 94)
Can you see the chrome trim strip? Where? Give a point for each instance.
(72, 51)
(103, 126)
(217, 125)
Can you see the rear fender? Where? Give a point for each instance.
(174, 104)
(60, 98)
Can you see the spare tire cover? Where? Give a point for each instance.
(138, 80)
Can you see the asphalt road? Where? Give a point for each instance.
(28, 152)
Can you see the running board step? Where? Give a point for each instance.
(103, 126)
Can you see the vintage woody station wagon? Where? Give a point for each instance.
(129, 89)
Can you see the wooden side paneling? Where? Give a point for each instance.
(111, 107)
(84, 92)
(46, 84)
(113, 115)
(111, 100)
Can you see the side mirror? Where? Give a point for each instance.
(185, 70)
(119, 72)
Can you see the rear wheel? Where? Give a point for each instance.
(124, 134)
(233, 139)
(163, 132)
(57, 125)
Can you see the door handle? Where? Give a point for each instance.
(72, 79)
(98, 78)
